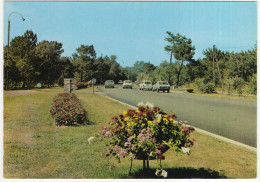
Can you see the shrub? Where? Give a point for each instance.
(207, 88)
(190, 90)
(145, 133)
(67, 110)
(253, 84)
(82, 85)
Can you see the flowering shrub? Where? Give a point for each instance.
(145, 133)
(82, 85)
(190, 90)
(67, 110)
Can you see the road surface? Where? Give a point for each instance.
(234, 119)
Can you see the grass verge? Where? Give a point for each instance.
(35, 148)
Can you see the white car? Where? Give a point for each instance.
(127, 84)
(146, 84)
(161, 85)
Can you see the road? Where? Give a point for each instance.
(234, 119)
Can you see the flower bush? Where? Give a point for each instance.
(82, 85)
(145, 133)
(67, 110)
(190, 90)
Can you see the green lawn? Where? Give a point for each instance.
(35, 148)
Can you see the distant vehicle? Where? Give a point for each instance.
(109, 84)
(161, 85)
(146, 84)
(127, 84)
(120, 82)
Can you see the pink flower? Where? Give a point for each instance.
(158, 151)
(122, 153)
(130, 139)
(116, 148)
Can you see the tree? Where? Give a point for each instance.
(83, 60)
(48, 61)
(21, 54)
(181, 48)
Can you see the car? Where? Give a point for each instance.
(146, 84)
(161, 86)
(127, 84)
(120, 82)
(109, 84)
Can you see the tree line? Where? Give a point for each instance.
(28, 62)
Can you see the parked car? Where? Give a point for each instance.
(146, 84)
(120, 82)
(127, 84)
(109, 84)
(161, 85)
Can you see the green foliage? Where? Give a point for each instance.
(253, 84)
(67, 110)
(204, 86)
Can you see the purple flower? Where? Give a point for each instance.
(143, 130)
(122, 153)
(130, 139)
(108, 134)
(116, 148)
(158, 151)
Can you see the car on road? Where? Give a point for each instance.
(109, 84)
(146, 84)
(127, 84)
(120, 82)
(161, 86)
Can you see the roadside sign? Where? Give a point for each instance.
(39, 85)
(94, 80)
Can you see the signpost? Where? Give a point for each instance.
(93, 81)
(39, 85)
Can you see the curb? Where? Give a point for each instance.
(221, 138)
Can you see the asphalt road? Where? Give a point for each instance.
(234, 119)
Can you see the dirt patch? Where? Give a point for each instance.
(15, 93)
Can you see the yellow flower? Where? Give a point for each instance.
(137, 110)
(159, 120)
(142, 125)
(128, 124)
(124, 113)
(171, 119)
(149, 122)
(126, 118)
(164, 119)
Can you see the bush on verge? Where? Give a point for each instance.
(67, 110)
(82, 85)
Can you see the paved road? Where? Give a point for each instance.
(234, 119)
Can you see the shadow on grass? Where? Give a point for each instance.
(179, 173)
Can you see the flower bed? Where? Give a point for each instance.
(190, 90)
(145, 133)
(67, 110)
(82, 85)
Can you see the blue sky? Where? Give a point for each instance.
(135, 31)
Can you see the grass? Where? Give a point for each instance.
(233, 95)
(35, 148)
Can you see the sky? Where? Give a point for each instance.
(136, 31)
